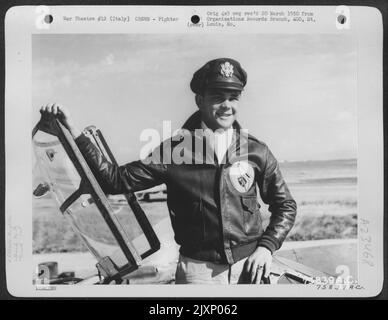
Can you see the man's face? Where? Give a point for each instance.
(219, 107)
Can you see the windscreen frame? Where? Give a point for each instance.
(89, 185)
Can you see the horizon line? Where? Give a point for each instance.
(319, 160)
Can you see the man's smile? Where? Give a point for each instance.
(223, 115)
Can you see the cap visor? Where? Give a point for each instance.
(225, 85)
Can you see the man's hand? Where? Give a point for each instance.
(258, 262)
(63, 116)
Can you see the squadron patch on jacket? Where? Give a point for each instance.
(241, 175)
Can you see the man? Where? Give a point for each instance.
(213, 204)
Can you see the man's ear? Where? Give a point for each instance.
(199, 100)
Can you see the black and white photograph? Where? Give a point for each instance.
(298, 106)
(196, 158)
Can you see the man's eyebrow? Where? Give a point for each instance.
(216, 93)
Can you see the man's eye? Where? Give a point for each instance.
(218, 98)
(221, 98)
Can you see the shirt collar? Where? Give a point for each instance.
(204, 127)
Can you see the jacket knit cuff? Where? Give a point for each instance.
(268, 242)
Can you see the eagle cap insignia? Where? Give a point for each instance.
(227, 69)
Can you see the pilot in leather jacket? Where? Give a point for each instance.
(213, 207)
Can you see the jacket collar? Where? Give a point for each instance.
(194, 122)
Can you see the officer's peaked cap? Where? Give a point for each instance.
(223, 73)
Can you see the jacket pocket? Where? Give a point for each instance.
(251, 214)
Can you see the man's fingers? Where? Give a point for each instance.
(54, 109)
(250, 270)
(43, 108)
(267, 269)
(259, 274)
(63, 111)
(254, 271)
(246, 271)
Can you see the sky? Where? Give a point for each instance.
(300, 98)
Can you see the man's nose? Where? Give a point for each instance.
(226, 104)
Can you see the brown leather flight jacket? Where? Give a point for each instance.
(213, 217)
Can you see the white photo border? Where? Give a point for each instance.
(21, 23)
